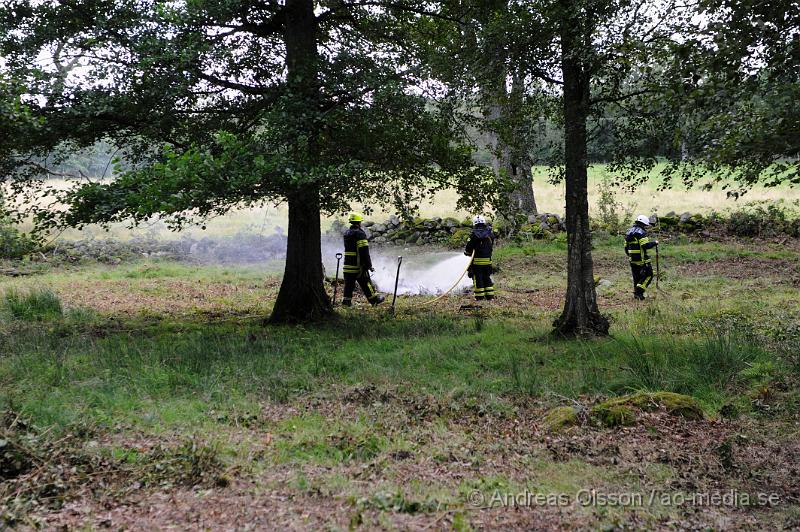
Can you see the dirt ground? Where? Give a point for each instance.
(447, 465)
(660, 456)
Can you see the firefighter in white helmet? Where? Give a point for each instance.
(482, 242)
(636, 245)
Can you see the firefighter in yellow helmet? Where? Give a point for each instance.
(357, 263)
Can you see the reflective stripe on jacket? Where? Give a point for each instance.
(356, 251)
(636, 245)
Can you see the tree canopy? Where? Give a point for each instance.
(737, 82)
(216, 104)
(221, 104)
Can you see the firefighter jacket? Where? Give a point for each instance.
(636, 245)
(356, 251)
(482, 242)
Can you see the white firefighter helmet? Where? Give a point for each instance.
(478, 219)
(643, 219)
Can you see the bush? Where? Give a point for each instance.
(459, 239)
(764, 219)
(13, 244)
(613, 217)
(38, 304)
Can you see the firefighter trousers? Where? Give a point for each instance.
(642, 277)
(363, 280)
(482, 284)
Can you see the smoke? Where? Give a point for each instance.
(241, 248)
(420, 273)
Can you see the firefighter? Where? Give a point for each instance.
(481, 241)
(636, 245)
(357, 263)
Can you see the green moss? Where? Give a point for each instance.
(459, 238)
(613, 415)
(419, 223)
(534, 229)
(560, 418)
(695, 221)
(668, 221)
(674, 403)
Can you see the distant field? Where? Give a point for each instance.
(549, 198)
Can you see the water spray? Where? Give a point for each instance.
(471, 257)
(336, 281)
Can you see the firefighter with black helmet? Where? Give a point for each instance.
(636, 245)
(481, 241)
(357, 263)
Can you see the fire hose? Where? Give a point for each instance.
(437, 298)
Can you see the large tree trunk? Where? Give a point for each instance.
(581, 315)
(518, 169)
(302, 296)
(504, 114)
(522, 198)
(511, 158)
(519, 161)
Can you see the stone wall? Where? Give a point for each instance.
(448, 232)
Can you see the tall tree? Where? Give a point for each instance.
(480, 54)
(581, 314)
(14, 117)
(501, 88)
(607, 49)
(220, 104)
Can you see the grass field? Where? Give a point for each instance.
(150, 394)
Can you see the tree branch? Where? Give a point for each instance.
(247, 89)
(401, 7)
(619, 97)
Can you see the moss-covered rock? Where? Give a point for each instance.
(560, 418)
(459, 239)
(402, 235)
(669, 221)
(673, 403)
(419, 223)
(676, 404)
(692, 222)
(613, 415)
(533, 229)
(450, 222)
